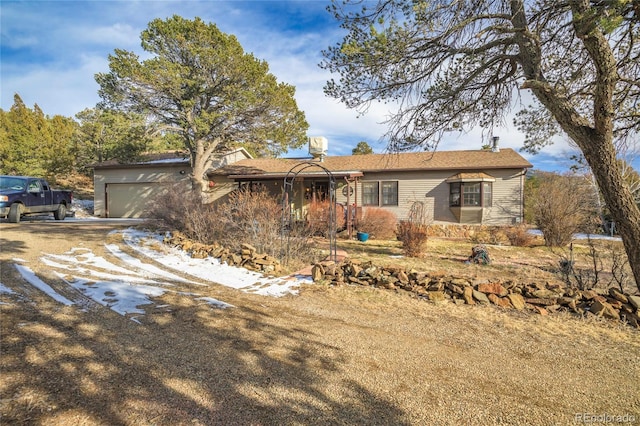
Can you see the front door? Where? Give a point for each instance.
(316, 191)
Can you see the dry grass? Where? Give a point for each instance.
(332, 355)
(81, 185)
(527, 264)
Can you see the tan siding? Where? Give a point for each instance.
(426, 187)
(163, 174)
(507, 198)
(431, 188)
(221, 189)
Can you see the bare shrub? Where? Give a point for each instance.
(185, 212)
(414, 232)
(255, 217)
(561, 206)
(251, 217)
(620, 268)
(318, 217)
(488, 235)
(378, 223)
(413, 237)
(519, 236)
(606, 265)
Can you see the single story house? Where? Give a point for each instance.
(126, 190)
(471, 187)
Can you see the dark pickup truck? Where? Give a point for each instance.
(22, 195)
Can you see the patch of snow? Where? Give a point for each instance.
(538, 233)
(32, 278)
(119, 296)
(215, 302)
(115, 250)
(126, 289)
(210, 269)
(98, 274)
(6, 290)
(85, 256)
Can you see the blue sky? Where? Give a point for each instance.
(51, 51)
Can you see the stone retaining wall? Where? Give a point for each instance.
(437, 287)
(536, 297)
(247, 257)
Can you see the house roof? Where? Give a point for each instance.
(160, 158)
(357, 164)
(470, 177)
(148, 160)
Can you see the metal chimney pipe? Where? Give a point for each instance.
(495, 147)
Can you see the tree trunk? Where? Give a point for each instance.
(594, 135)
(618, 197)
(198, 183)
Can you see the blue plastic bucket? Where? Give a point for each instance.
(362, 236)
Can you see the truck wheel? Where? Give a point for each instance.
(14, 213)
(60, 213)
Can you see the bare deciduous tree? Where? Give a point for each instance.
(451, 65)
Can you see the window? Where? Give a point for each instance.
(369, 193)
(34, 186)
(470, 194)
(454, 194)
(383, 193)
(390, 193)
(486, 194)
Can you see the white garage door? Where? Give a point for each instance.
(130, 199)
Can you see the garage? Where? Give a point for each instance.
(129, 190)
(130, 199)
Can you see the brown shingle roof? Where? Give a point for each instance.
(460, 177)
(441, 160)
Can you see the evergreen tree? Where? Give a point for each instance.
(201, 85)
(362, 148)
(111, 135)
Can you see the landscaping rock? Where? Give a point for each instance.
(455, 288)
(460, 282)
(480, 297)
(402, 277)
(436, 296)
(544, 294)
(499, 301)
(540, 297)
(493, 288)
(516, 300)
(317, 272)
(468, 295)
(540, 302)
(604, 309)
(634, 301)
(616, 294)
(540, 310)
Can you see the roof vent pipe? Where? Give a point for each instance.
(495, 147)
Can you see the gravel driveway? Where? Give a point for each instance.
(343, 355)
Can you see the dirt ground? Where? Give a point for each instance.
(343, 355)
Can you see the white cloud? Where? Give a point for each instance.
(117, 35)
(56, 49)
(64, 91)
